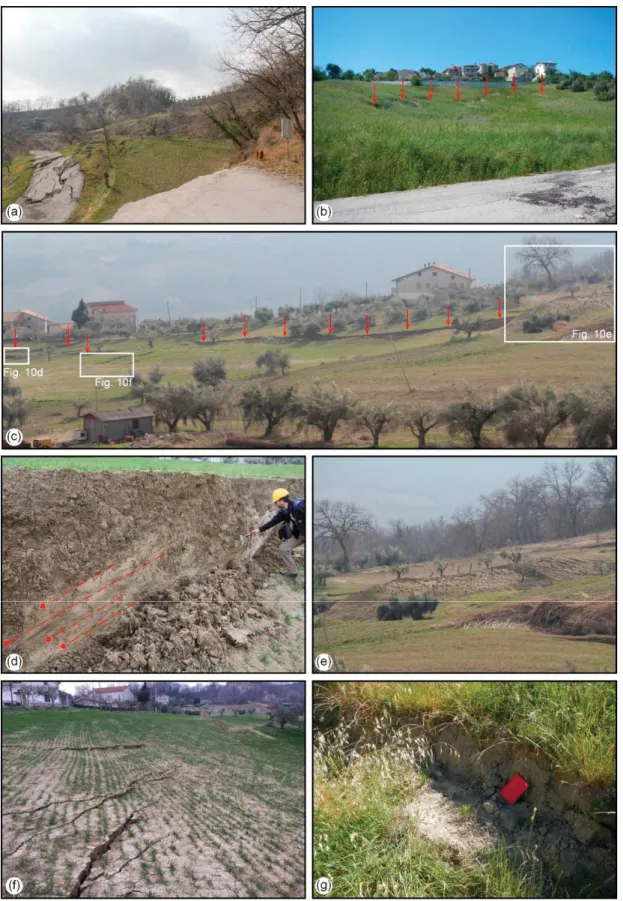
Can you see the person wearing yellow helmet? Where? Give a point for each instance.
(291, 515)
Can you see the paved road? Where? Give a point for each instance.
(232, 195)
(581, 197)
(54, 190)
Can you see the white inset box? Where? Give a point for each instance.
(15, 352)
(579, 335)
(113, 356)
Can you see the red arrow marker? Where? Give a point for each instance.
(458, 89)
(68, 336)
(87, 348)
(374, 93)
(499, 307)
(14, 337)
(486, 85)
(203, 331)
(407, 323)
(514, 82)
(430, 88)
(542, 87)
(330, 329)
(367, 324)
(402, 91)
(448, 320)
(244, 326)
(285, 327)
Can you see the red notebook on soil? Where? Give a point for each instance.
(514, 789)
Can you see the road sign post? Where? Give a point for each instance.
(287, 133)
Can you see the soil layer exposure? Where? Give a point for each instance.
(145, 571)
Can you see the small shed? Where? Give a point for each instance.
(113, 426)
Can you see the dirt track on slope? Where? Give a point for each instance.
(141, 571)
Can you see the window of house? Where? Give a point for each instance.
(135, 423)
(451, 278)
(428, 284)
(434, 275)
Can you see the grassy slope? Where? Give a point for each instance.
(15, 182)
(98, 464)
(438, 365)
(425, 646)
(360, 149)
(141, 167)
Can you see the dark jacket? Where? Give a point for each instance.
(294, 516)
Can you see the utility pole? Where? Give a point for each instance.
(300, 298)
(366, 289)
(169, 313)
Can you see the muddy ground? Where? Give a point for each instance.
(145, 572)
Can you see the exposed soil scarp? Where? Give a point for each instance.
(140, 571)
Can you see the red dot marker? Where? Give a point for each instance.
(63, 646)
(48, 638)
(41, 606)
(6, 642)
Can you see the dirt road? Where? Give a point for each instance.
(580, 197)
(229, 196)
(54, 189)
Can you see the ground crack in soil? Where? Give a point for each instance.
(99, 851)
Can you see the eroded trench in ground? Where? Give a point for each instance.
(567, 826)
(141, 571)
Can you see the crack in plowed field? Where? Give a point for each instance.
(196, 812)
(184, 573)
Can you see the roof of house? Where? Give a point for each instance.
(116, 415)
(32, 313)
(512, 66)
(437, 266)
(110, 688)
(11, 317)
(112, 306)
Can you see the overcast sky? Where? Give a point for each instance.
(60, 51)
(416, 490)
(218, 274)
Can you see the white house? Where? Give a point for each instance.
(111, 694)
(113, 315)
(162, 699)
(543, 69)
(485, 68)
(470, 71)
(431, 277)
(518, 70)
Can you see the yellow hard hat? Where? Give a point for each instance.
(279, 494)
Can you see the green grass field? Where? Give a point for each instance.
(140, 167)
(206, 802)
(399, 145)
(153, 464)
(438, 364)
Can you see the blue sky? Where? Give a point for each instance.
(581, 38)
(416, 490)
(217, 273)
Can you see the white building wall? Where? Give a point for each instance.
(427, 280)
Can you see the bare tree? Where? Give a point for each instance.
(543, 254)
(340, 522)
(475, 523)
(271, 58)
